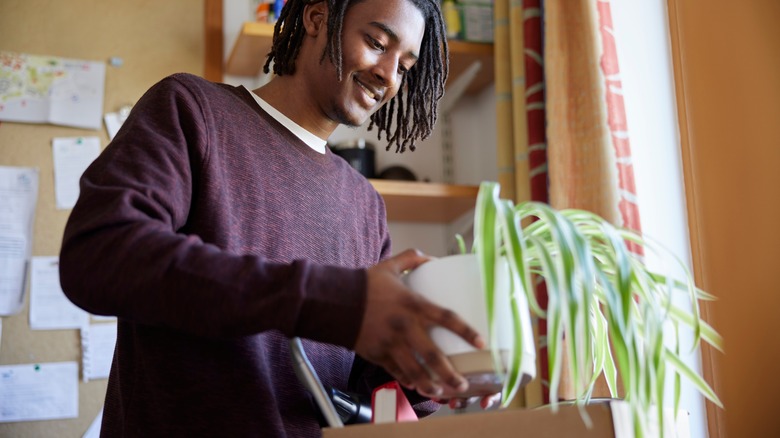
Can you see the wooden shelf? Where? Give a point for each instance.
(463, 54)
(254, 42)
(411, 201)
(249, 51)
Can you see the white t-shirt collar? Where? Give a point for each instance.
(307, 137)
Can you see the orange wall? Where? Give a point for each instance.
(727, 68)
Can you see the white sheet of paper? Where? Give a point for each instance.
(97, 350)
(44, 391)
(112, 124)
(94, 429)
(50, 309)
(103, 318)
(115, 120)
(72, 156)
(18, 196)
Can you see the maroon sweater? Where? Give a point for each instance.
(214, 234)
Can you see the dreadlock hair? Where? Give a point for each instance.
(423, 84)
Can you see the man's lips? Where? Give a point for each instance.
(373, 93)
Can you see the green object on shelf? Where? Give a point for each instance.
(451, 18)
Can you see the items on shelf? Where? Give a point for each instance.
(359, 154)
(451, 18)
(267, 11)
(398, 173)
(469, 20)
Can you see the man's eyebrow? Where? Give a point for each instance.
(393, 36)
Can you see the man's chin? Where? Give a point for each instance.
(350, 120)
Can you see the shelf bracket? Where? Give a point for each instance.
(453, 93)
(451, 96)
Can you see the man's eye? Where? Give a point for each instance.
(376, 44)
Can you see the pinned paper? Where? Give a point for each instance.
(115, 120)
(50, 309)
(72, 156)
(18, 196)
(44, 391)
(97, 350)
(49, 89)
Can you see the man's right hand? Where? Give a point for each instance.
(395, 333)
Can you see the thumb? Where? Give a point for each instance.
(408, 260)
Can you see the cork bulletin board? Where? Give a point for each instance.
(148, 40)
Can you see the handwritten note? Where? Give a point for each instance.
(49, 89)
(43, 391)
(50, 309)
(72, 156)
(18, 196)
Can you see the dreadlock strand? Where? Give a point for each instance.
(380, 116)
(288, 35)
(401, 123)
(336, 12)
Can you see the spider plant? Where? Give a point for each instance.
(604, 302)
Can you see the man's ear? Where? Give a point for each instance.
(315, 17)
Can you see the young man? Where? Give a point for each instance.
(217, 224)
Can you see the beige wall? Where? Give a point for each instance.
(154, 38)
(727, 57)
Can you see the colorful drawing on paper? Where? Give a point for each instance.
(48, 89)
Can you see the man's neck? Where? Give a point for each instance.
(291, 99)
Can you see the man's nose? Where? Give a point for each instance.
(386, 71)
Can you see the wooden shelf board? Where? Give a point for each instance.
(410, 201)
(254, 42)
(250, 49)
(463, 54)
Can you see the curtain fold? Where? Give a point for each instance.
(589, 154)
(618, 125)
(562, 130)
(533, 54)
(520, 109)
(512, 132)
(582, 165)
(512, 137)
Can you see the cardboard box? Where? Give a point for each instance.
(609, 420)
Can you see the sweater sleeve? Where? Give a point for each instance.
(124, 252)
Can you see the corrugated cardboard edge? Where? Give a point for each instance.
(540, 422)
(610, 420)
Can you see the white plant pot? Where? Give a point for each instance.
(454, 282)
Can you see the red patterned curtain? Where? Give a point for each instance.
(537, 160)
(521, 145)
(618, 126)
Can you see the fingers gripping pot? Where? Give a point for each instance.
(454, 282)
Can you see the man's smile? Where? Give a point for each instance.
(370, 91)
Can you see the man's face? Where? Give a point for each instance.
(381, 41)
